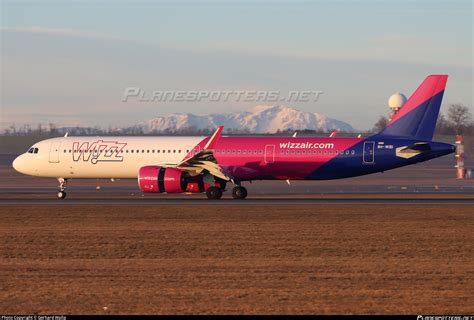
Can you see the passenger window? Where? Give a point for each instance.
(303, 152)
(325, 151)
(347, 152)
(353, 152)
(239, 151)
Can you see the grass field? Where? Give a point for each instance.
(88, 259)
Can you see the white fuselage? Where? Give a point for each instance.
(102, 157)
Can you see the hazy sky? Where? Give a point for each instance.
(69, 63)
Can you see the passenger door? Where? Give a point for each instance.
(369, 147)
(54, 151)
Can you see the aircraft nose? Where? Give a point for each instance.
(18, 163)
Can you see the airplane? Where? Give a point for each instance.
(208, 164)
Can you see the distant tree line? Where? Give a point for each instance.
(52, 130)
(458, 120)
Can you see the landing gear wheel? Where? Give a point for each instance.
(239, 193)
(61, 194)
(62, 186)
(214, 193)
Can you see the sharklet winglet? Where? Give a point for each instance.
(214, 138)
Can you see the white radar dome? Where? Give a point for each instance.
(397, 100)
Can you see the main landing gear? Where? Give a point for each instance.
(239, 192)
(62, 186)
(214, 193)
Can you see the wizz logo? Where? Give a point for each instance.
(98, 151)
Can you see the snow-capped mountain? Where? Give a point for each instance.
(260, 119)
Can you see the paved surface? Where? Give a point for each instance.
(228, 202)
(126, 195)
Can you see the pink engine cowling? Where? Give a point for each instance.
(153, 179)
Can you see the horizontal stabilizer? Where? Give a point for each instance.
(412, 150)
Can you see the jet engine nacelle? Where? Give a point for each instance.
(158, 179)
(155, 179)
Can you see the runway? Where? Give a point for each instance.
(19, 197)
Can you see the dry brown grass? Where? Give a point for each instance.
(237, 259)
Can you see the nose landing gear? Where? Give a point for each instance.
(62, 186)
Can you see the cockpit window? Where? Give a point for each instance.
(36, 150)
(31, 150)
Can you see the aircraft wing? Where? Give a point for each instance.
(201, 158)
